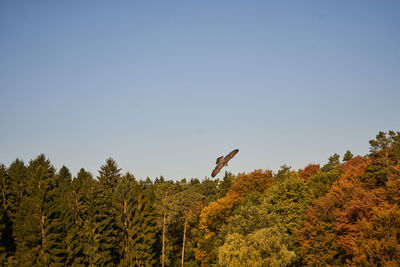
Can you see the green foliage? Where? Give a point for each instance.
(136, 220)
(17, 173)
(7, 243)
(333, 162)
(285, 204)
(342, 214)
(78, 217)
(347, 156)
(106, 245)
(247, 217)
(384, 154)
(284, 173)
(38, 222)
(264, 247)
(109, 174)
(320, 183)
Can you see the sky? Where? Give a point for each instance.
(166, 87)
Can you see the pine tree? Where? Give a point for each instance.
(333, 162)
(141, 229)
(164, 190)
(347, 156)
(109, 175)
(104, 234)
(64, 178)
(105, 242)
(17, 173)
(38, 225)
(7, 243)
(78, 207)
(384, 154)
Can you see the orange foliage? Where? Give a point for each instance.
(256, 181)
(358, 202)
(219, 212)
(309, 171)
(354, 168)
(317, 237)
(393, 185)
(379, 240)
(331, 223)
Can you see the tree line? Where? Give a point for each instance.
(345, 212)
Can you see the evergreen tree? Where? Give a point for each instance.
(109, 175)
(138, 223)
(384, 154)
(64, 178)
(165, 212)
(17, 173)
(39, 221)
(78, 217)
(105, 239)
(104, 249)
(188, 201)
(7, 243)
(347, 156)
(333, 162)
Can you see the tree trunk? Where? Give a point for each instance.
(184, 239)
(163, 239)
(42, 217)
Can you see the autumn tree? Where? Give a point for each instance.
(308, 171)
(330, 223)
(219, 212)
(378, 243)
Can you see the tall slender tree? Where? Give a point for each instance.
(7, 244)
(38, 224)
(78, 218)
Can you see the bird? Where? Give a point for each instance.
(223, 161)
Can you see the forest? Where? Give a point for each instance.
(342, 213)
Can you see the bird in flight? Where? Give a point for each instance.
(223, 161)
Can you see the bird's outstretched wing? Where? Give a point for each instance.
(217, 169)
(222, 161)
(231, 155)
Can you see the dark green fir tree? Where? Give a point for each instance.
(39, 224)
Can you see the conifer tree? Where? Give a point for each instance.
(333, 162)
(78, 217)
(7, 244)
(164, 209)
(105, 233)
(109, 175)
(17, 173)
(384, 154)
(188, 201)
(38, 225)
(137, 221)
(347, 156)
(64, 178)
(105, 238)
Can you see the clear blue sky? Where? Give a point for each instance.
(165, 87)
